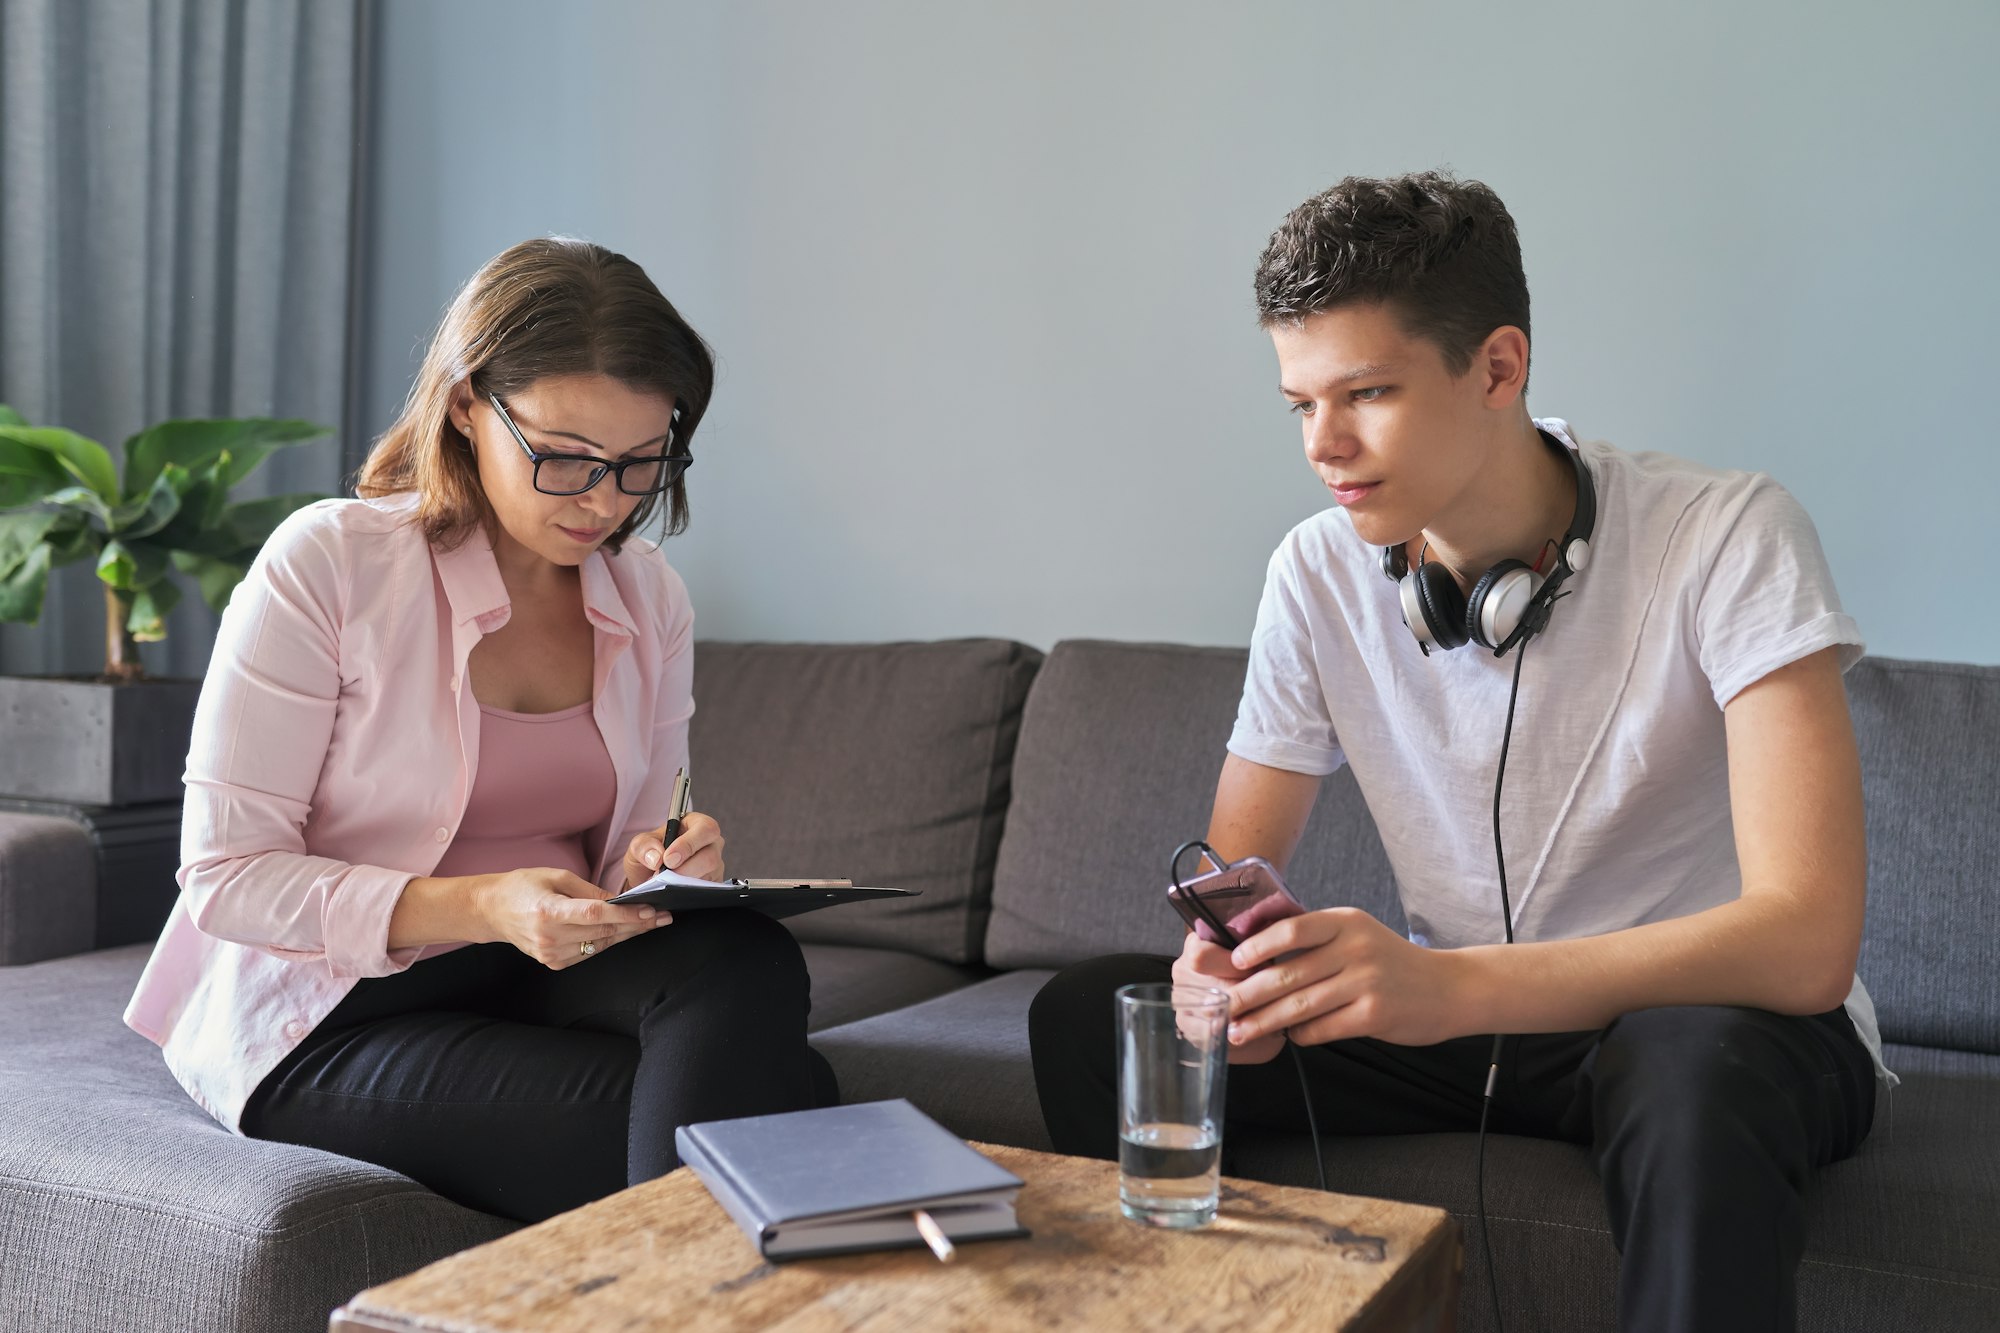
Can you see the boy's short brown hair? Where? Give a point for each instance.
(1440, 252)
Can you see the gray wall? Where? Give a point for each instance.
(979, 274)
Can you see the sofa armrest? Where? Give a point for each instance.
(48, 888)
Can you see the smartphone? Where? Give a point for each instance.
(1231, 903)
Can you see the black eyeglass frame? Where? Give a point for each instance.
(673, 466)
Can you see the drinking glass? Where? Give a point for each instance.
(1172, 1059)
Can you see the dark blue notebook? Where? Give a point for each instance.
(848, 1178)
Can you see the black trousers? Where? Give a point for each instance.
(525, 1092)
(1705, 1124)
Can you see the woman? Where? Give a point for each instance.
(441, 726)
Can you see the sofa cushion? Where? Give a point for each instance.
(123, 1205)
(962, 1058)
(850, 983)
(48, 888)
(1930, 763)
(1899, 1236)
(882, 763)
(1120, 748)
(1918, 1199)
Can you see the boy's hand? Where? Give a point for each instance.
(1205, 964)
(1352, 976)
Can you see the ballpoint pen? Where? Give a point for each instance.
(934, 1236)
(677, 809)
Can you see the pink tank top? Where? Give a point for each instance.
(542, 795)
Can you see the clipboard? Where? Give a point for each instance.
(776, 898)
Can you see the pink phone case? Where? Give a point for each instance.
(1233, 902)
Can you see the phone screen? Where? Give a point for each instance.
(1229, 905)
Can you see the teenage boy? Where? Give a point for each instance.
(1682, 806)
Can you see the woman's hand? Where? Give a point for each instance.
(1349, 976)
(550, 915)
(1205, 964)
(697, 853)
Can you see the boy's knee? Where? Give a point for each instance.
(1080, 996)
(1693, 1086)
(1683, 1051)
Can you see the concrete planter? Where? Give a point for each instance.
(94, 743)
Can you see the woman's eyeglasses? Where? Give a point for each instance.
(573, 474)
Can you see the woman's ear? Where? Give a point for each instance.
(458, 408)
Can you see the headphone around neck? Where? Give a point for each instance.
(1510, 603)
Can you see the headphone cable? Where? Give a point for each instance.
(1507, 923)
(1312, 1121)
(1493, 1065)
(1223, 933)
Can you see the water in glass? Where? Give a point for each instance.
(1169, 1175)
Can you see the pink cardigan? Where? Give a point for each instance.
(333, 752)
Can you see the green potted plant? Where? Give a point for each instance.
(120, 738)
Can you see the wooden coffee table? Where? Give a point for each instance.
(664, 1255)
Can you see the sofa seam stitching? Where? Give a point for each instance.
(288, 1231)
(1808, 1259)
(1891, 1272)
(975, 948)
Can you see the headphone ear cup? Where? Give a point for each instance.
(1498, 601)
(1443, 605)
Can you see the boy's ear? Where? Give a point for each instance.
(1502, 362)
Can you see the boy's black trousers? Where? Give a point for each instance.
(1705, 1124)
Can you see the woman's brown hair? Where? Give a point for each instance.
(551, 306)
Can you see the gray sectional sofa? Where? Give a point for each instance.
(1034, 801)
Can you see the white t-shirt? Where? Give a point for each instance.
(1616, 808)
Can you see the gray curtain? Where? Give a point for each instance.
(179, 186)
